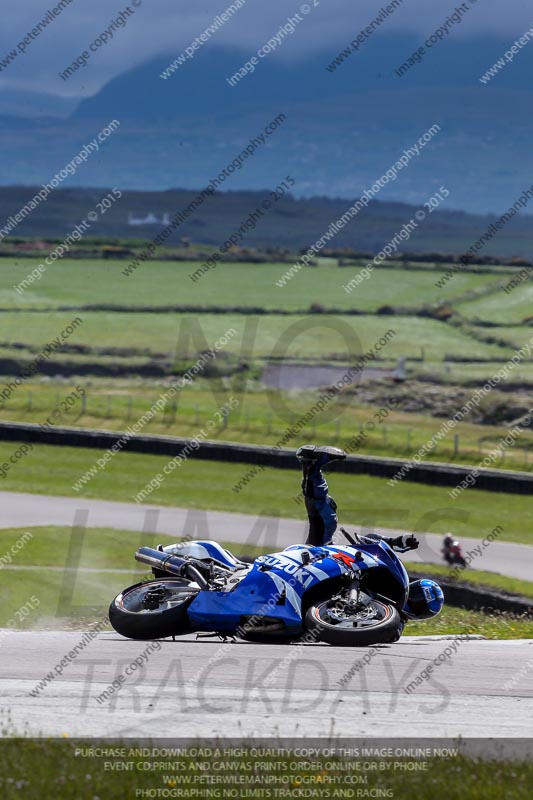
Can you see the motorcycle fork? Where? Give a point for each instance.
(354, 591)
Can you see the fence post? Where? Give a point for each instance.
(129, 406)
(455, 445)
(30, 400)
(84, 402)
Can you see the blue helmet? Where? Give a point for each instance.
(425, 599)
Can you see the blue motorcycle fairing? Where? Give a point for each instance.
(276, 583)
(273, 588)
(258, 594)
(378, 554)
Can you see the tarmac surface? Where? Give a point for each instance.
(188, 688)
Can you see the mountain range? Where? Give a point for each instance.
(344, 128)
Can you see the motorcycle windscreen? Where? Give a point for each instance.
(393, 570)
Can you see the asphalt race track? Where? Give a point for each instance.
(206, 688)
(19, 510)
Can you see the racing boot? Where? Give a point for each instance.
(309, 456)
(320, 506)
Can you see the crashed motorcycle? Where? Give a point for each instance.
(353, 595)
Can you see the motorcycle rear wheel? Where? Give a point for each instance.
(338, 625)
(152, 610)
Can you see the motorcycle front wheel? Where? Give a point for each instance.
(338, 624)
(152, 610)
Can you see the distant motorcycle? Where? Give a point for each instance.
(350, 596)
(452, 552)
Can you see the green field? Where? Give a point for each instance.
(501, 307)
(77, 282)
(136, 336)
(516, 335)
(320, 338)
(471, 374)
(363, 500)
(158, 286)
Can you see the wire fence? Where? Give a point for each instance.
(259, 424)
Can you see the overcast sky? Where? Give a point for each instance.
(161, 27)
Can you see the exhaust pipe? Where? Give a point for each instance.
(158, 560)
(171, 564)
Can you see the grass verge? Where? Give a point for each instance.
(476, 577)
(33, 769)
(454, 621)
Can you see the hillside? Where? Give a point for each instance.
(291, 223)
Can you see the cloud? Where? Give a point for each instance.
(162, 28)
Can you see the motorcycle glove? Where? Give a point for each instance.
(404, 543)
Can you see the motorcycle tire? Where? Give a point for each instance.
(130, 613)
(345, 632)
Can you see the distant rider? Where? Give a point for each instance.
(452, 552)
